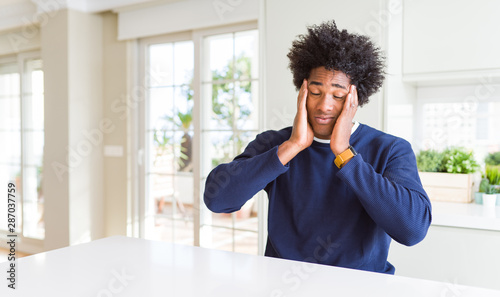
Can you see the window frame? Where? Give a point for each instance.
(29, 244)
(143, 115)
(140, 117)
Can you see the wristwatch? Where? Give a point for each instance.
(345, 156)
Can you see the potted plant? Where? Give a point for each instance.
(429, 161)
(483, 187)
(448, 175)
(491, 185)
(490, 196)
(492, 159)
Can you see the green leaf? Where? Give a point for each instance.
(459, 160)
(493, 159)
(492, 174)
(429, 161)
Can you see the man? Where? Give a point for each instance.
(338, 191)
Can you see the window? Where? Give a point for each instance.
(169, 134)
(22, 134)
(229, 122)
(200, 110)
(459, 119)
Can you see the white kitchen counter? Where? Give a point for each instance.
(465, 215)
(121, 266)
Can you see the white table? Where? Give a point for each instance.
(121, 266)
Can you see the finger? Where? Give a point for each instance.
(352, 99)
(355, 101)
(303, 95)
(348, 101)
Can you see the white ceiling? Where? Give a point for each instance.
(82, 5)
(15, 13)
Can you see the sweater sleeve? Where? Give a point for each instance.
(395, 199)
(229, 186)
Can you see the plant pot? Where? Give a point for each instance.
(449, 187)
(489, 200)
(478, 197)
(498, 195)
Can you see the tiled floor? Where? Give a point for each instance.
(221, 235)
(180, 230)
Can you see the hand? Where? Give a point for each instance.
(341, 133)
(302, 132)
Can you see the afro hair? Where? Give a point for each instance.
(353, 54)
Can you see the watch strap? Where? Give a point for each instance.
(345, 156)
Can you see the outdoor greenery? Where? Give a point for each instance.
(226, 110)
(226, 105)
(182, 121)
(451, 160)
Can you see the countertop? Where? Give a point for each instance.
(122, 266)
(465, 215)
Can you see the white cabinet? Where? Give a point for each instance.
(461, 247)
(453, 255)
(447, 37)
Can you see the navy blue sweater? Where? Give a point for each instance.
(319, 213)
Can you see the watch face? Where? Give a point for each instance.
(353, 150)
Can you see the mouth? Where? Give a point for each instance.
(323, 120)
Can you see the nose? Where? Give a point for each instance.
(325, 104)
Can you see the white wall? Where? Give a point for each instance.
(86, 122)
(19, 40)
(399, 96)
(56, 188)
(115, 68)
(184, 15)
(283, 21)
(72, 57)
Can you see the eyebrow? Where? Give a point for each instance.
(333, 85)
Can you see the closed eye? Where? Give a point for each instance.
(315, 94)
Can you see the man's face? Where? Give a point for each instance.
(326, 94)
